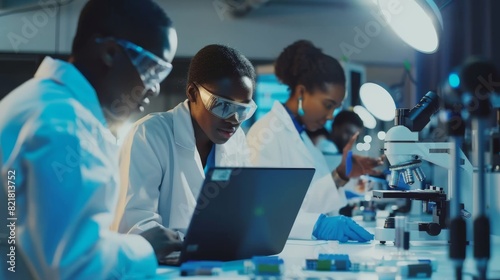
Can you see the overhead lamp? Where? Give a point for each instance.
(368, 120)
(417, 22)
(378, 101)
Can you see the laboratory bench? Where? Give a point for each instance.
(366, 255)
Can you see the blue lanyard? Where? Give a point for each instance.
(210, 160)
(300, 128)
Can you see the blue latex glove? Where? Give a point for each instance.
(340, 228)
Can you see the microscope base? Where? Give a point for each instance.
(388, 234)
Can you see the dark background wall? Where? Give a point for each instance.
(470, 28)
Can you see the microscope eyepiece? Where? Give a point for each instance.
(420, 115)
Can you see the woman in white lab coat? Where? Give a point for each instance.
(166, 155)
(317, 85)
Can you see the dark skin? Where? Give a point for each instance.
(318, 106)
(360, 165)
(121, 92)
(208, 128)
(164, 241)
(342, 133)
(116, 80)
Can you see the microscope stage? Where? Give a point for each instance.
(429, 195)
(388, 234)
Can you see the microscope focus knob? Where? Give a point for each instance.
(433, 229)
(389, 222)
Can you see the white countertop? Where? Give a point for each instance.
(296, 251)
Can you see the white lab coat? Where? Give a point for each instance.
(162, 170)
(327, 146)
(333, 156)
(275, 142)
(54, 136)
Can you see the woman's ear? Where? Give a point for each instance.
(300, 90)
(191, 93)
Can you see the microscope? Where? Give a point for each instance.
(405, 155)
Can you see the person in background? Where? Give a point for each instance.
(55, 137)
(165, 156)
(317, 87)
(345, 125)
(319, 136)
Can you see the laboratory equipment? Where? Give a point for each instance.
(418, 230)
(268, 266)
(493, 175)
(407, 264)
(405, 154)
(329, 262)
(399, 226)
(470, 89)
(206, 268)
(386, 272)
(414, 269)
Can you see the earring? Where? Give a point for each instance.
(300, 111)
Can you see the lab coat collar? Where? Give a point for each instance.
(301, 140)
(183, 127)
(300, 128)
(67, 74)
(280, 111)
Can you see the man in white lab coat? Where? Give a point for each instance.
(55, 140)
(165, 157)
(317, 85)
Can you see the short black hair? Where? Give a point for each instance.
(108, 18)
(302, 63)
(215, 62)
(346, 116)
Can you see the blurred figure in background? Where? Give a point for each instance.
(345, 125)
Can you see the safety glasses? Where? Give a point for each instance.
(224, 108)
(152, 69)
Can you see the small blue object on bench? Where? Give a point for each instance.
(329, 262)
(268, 266)
(209, 268)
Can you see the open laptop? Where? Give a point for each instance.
(243, 212)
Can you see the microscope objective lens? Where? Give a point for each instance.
(394, 178)
(408, 177)
(419, 174)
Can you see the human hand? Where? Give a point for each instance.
(163, 240)
(340, 228)
(359, 165)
